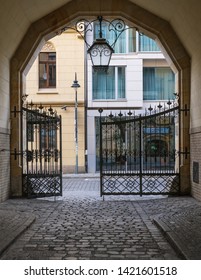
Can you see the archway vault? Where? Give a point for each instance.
(45, 28)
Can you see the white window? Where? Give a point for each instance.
(126, 41)
(110, 84)
(158, 83)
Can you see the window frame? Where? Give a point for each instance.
(116, 80)
(118, 46)
(142, 49)
(162, 94)
(48, 137)
(47, 64)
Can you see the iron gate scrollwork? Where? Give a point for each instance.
(139, 154)
(42, 146)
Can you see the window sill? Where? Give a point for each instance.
(110, 100)
(47, 91)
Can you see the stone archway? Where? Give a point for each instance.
(44, 28)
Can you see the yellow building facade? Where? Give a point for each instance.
(49, 82)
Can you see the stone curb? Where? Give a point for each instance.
(81, 175)
(172, 238)
(9, 235)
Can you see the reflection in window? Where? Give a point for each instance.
(47, 70)
(156, 148)
(48, 138)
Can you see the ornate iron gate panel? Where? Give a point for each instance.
(140, 154)
(42, 159)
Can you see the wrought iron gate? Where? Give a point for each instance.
(42, 160)
(140, 154)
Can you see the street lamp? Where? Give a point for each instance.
(100, 51)
(75, 85)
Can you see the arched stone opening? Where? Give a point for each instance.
(45, 28)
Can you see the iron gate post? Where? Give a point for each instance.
(140, 152)
(101, 152)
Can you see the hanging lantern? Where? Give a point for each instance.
(100, 51)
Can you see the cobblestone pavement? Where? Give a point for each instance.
(81, 225)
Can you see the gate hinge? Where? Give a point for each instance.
(12, 153)
(186, 109)
(15, 111)
(15, 153)
(185, 153)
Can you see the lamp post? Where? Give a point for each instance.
(75, 85)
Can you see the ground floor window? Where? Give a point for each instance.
(151, 144)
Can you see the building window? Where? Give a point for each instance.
(47, 70)
(110, 84)
(131, 40)
(48, 137)
(126, 41)
(147, 44)
(158, 83)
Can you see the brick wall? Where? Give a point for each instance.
(196, 164)
(4, 166)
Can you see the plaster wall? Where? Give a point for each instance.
(69, 48)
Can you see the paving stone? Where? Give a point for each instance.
(80, 225)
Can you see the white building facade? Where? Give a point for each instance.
(138, 76)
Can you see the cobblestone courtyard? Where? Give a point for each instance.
(81, 225)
